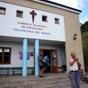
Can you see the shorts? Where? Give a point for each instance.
(43, 65)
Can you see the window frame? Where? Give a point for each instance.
(44, 17)
(4, 10)
(3, 59)
(19, 12)
(57, 20)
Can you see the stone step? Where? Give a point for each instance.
(47, 85)
(33, 80)
(49, 81)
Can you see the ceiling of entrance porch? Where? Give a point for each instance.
(20, 40)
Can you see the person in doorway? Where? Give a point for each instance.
(74, 71)
(42, 64)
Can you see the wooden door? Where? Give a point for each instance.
(54, 61)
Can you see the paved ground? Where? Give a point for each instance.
(31, 81)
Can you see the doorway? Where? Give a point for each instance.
(53, 59)
(47, 53)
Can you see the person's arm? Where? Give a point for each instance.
(72, 62)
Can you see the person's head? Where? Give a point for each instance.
(73, 54)
(40, 57)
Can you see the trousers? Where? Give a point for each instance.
(75, 79)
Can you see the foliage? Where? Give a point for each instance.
(84, 31)
(85, 43)
(85, 79)
(84, 27)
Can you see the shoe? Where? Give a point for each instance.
(41, 76)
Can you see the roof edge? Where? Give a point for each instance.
(59, 5)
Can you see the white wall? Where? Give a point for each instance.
(15, 48)
(11, 25)
(61, 57)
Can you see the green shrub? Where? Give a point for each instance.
(85, 79)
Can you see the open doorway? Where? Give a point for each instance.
(47, 53)
(53, 60)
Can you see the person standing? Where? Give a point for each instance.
(74, 71)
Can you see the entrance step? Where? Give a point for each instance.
(49, 81)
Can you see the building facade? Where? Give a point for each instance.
(30, 27)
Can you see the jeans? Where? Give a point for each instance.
(75, 79)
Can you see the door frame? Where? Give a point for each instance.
(53, 69)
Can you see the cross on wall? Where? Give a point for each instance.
(33, 15)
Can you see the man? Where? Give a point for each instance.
(43, 64)
(74, 71)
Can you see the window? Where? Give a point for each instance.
(44, 18)
(2, 10)
(57, 21)
(5, 54)
(19, 14)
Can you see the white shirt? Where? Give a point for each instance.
(74, 67)
(45, 59)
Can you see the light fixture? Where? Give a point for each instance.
(74, 36)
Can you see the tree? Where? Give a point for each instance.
(84, 27)
(84, 32)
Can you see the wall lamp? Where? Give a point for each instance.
(74, 36)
